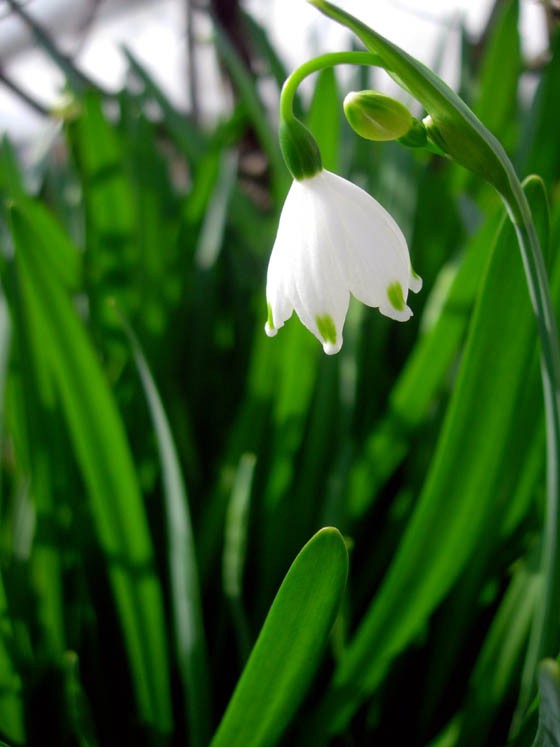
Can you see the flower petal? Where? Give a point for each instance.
(414, 282)
(375, 249)
(334, 239)
(319, 290)
(394, 305)
(281, 263)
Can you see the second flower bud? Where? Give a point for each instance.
(374, 116)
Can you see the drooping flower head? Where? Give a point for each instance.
(334, 240)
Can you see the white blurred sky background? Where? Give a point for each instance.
(155, 31)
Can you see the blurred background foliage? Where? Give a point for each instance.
(163, 462)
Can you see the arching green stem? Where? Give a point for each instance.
(314, 66)
(299, 148)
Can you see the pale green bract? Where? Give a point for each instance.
(334, 240)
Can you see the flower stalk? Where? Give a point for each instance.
(299, 147)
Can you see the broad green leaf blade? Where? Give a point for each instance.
(542, 141)
(103, 454)
(289, 646)
(32, 418)
(462, 492)
(497, 100)
(62, 255)
(185, 591)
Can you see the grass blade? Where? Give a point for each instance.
(187, 609)
(235, 547)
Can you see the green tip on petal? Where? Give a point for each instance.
(415, 281)
(327, 330)
(396, 297)
(269, 327)
(374, 116)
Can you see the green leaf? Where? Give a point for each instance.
(289, 647)
(103, 454)
(236, 534)
(185, 591)
(497, 100)
(63, 257)
(32, 418)
(543, 116)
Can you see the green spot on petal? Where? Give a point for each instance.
(395, 296)
(326, 328)
(269, 319)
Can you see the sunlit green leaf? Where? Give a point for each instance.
(289, 647)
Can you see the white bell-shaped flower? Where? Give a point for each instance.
(334, 239)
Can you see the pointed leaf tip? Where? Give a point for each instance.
(289, 647)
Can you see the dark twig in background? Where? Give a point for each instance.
(192, 88)
(24, 95)
(75, 77)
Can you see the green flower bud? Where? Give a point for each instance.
(377, 117)
(299, 149)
